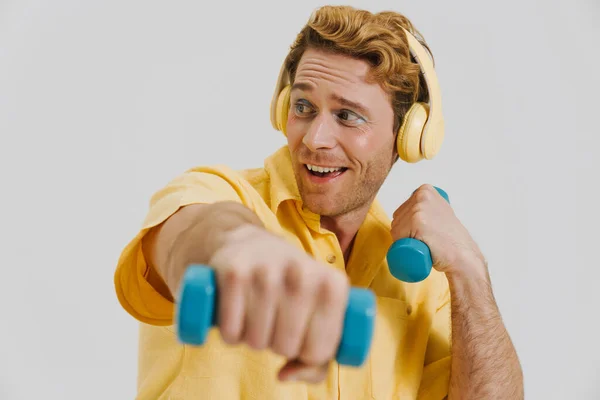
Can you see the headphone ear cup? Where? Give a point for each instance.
(408, 141)
(282, 108)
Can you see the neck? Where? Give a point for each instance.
(345, 227)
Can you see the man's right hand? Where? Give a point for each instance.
(272, 295)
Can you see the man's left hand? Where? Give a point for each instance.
(428, 217)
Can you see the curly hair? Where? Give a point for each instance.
(376, 38)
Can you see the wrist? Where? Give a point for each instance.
(470, 287)
(240, 231)
(469, 270)
(205, 236)
(467, 263)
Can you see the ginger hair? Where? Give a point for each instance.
(376, 38)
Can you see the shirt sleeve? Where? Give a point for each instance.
(200, 185)
(436, 371)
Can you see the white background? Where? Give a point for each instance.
(101, 103)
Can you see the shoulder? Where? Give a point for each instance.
(220, 182)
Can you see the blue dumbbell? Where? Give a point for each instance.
(195, 315)
(409, 260)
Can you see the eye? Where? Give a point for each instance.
(301, 108)
(349, 116)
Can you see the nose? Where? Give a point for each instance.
(320, 134)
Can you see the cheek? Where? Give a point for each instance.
(368, 142)
(294, 131)
(363, 142)
(370, 148)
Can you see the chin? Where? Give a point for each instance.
(322, 205)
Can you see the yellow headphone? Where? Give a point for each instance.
(422, 131)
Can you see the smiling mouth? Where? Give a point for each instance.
(323, 172)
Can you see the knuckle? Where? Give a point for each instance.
(265, 280)
(418, 218)
(312, 356)
(229, 332)
(423, 194)
(287, 348)
(333, 288)
(233, 276)
(324, 356)
(317, 353)
(427, 187)
(321, 346)
(256, 341)
(294, 279)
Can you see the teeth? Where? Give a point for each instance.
(321, 169)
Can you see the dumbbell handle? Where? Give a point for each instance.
(197, 305)
(409, 260)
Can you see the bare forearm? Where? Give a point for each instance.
(484, 361)
(191, 235)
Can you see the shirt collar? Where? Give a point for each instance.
(283, 184)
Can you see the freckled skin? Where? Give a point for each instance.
(323, 131)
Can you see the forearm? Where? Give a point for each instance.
(484, 361)
(191, 235)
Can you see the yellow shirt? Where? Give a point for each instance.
(410, 353)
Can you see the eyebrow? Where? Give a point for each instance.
(342, 100)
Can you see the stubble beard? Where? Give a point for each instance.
(354, 197)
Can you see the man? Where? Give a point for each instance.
(287, 241)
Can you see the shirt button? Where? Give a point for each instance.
(331, 258)
(409, 309)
